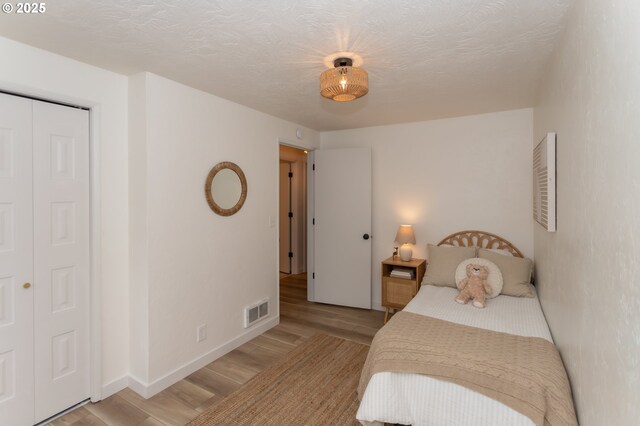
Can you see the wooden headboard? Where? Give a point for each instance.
(480, 239)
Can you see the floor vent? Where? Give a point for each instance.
(256, 312)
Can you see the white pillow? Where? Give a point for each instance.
(503, 252)
(494, 278)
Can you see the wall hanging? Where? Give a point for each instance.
(226, 188)
(544, 182)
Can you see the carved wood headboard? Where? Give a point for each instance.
(480, 239)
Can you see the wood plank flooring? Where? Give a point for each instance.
(176, 405)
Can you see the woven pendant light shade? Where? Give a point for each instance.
(344, 82)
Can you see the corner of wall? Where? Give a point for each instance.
(138, 239)
(147, 389)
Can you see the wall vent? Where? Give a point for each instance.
(256, 312)
(544, 182)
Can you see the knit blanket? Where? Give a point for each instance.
(524, 373)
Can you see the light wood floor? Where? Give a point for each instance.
(206, 387)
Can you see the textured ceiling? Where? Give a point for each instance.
(426, 59)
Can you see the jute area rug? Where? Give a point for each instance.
(315, 384)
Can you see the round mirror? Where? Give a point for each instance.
(226, 188)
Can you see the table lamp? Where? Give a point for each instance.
(404, 237)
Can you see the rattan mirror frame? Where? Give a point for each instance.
(207, 188)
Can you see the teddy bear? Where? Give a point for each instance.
(475, 286)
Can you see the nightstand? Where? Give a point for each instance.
(396, 291)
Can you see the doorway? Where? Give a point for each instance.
(335, 177)
(292, 199)
(292, 238)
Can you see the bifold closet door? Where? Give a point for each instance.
(61, 256)
(16, 262)
(44, 259)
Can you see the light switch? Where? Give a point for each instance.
(272, 222)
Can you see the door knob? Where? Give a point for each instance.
(365, 236)
(26, 285)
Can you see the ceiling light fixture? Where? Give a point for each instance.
(345, 82)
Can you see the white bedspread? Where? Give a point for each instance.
(418, 400)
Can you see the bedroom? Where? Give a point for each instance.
(155, 134)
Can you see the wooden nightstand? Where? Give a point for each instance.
(397, 292)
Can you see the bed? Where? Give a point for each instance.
(416, 399)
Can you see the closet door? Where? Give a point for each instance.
(61, 256)
(16, 262)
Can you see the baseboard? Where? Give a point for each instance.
(114, 387)
(147, 390)
(138, 386)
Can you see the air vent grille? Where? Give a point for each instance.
(256, 312)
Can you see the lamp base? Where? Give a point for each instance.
(406, 252)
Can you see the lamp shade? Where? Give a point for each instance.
(345, 82)
(405, 235)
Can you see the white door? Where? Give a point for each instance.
(44, 259)
(342, 243)
(61, 256)
(16, 262)
(285, 220)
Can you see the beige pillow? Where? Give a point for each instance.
(500, 251)
(494, 278)
(443, 261)
(516, 273)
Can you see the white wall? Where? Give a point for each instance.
(589, 270)
(30, 71)
(447, 175)
(200, 268)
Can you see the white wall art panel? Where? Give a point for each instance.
(6, 226)
(63, 222)
(544, 182)
(7, 375)
(62, 157)
(63, 354)
(63, 289)
(7, 301)
(6, 153)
